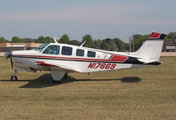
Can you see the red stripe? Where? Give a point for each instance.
(115, 58)
(119, 58)
(40, 63)
(154, 35)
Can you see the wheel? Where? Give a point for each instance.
(54, 81)
(13, 78)
(65, 76)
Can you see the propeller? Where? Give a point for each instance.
(8, 55)
(11, 62)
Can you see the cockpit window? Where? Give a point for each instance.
(41, 47)
(52, 49)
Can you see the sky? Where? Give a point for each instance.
(101, 18)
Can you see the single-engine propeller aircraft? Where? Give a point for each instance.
(60, 59)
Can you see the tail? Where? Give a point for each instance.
(151, 49)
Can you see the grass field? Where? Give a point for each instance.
(143, 93)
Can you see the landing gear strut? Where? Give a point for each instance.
(14, 77)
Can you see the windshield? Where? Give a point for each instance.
(41, 47)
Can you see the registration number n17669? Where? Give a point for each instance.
(102, 65)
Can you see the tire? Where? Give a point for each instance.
(65, 76)
(13, 78)
(56, 81)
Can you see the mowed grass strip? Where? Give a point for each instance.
(142, 93)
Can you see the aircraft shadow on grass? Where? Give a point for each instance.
(45, 81)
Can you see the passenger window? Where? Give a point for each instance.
(79, 52)
(91, 54)
(66, 50)
(52, 49)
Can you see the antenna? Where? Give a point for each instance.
(54, 38)
(82, 44)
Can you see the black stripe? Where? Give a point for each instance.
(154, 63)
(155, 39)
(162, 36)
(111, 56)
(133, 60)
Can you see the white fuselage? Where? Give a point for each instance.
(98, 60)
(60, 59)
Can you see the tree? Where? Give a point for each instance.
(113, 46)
(170, 36)
(138, 40)
(64, 39)
(16, 39)
(89, 41)
(167, 38)
(126, 47)
(121, 46)
(108, 40)
(40, 39)
(96, 44)
(27, 40)
(99, 41)
(75, 42)
(49, 39)
(3, 40)
(104, 45)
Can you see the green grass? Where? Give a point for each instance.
(142, 93)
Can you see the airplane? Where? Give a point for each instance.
(60, 59)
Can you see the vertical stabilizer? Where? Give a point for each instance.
(151, 49)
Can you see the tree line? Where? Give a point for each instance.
(115, 44)
(107, 44)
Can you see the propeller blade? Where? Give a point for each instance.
(8, 54)
(11, 62)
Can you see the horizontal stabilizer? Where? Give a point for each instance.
(146, 61)
(152, 62)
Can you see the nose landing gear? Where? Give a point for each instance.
(14, 77)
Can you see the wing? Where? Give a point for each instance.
(50, 64)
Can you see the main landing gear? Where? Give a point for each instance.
(58, 81)
(14, 77)
(56, 76)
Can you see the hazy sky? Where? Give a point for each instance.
(101, 18)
